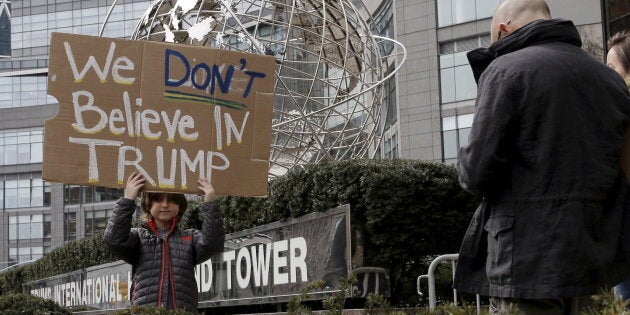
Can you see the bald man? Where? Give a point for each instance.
(543, 153)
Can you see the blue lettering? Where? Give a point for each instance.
(203, 76)
(167, 68)
(224, 84)
(252, 75)
(206, 80)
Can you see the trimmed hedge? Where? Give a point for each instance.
(73, 256)
(406, 212)
(14, 304)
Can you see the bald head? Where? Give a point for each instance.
(511, 15)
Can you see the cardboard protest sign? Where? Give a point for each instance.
(172, 112)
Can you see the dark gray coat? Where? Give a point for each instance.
(149, 254)
(544, 153)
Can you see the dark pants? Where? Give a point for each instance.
(568, 306)
(622, 290)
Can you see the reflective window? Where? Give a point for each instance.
(13, 228)
(70, 226)
(26, 227)
(106, 194)
(23, 190)
(451, 12)
(1, 193)
(391, 147)
(47, 227)
(457, 82)
(32, 31)
(37, 200)
(444, 12)
(486, 8)
(21, 146)
(10, 191)
(449, 123)
(96, 221)
(26, 253)
(24, 91)
(455, 131)
(450, 144)
(74, 194)
(385, 27)
(617, 17)
(447, 85)
(389, 101)
(13, 258)
(465, 85)
(5, 28)
(463, 11)
(30, 40)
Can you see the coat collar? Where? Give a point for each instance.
(151, 225)
(534, 33)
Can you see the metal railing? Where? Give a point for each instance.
(371, 281)
(430, 276)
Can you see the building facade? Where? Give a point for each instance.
(37, 216)
(436, 90)
(428, 113)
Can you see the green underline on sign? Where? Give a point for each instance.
(181, 96)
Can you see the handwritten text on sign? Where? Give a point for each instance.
(171, 112)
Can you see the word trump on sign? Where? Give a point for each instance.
(174, 113)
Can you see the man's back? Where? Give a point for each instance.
(544, 152)
(570, 110)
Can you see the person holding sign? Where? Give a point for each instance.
(162, 256)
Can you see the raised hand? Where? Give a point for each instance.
(135, 182)
(209, 194)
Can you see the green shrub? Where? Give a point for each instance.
(191, 218)
(606, 303)
(405, 211)
(376, 304)
(295, 306)
(335, 302)
(11, 281)
(14, 304)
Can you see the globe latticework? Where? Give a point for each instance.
(329, 67)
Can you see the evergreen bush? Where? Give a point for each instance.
(406, 212)
(19, 303)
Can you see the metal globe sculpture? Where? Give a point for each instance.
(330, 70)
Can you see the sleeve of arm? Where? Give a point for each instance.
(119, 237)
(483, 163)
(209, 241)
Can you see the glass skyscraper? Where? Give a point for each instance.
(37, 216)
